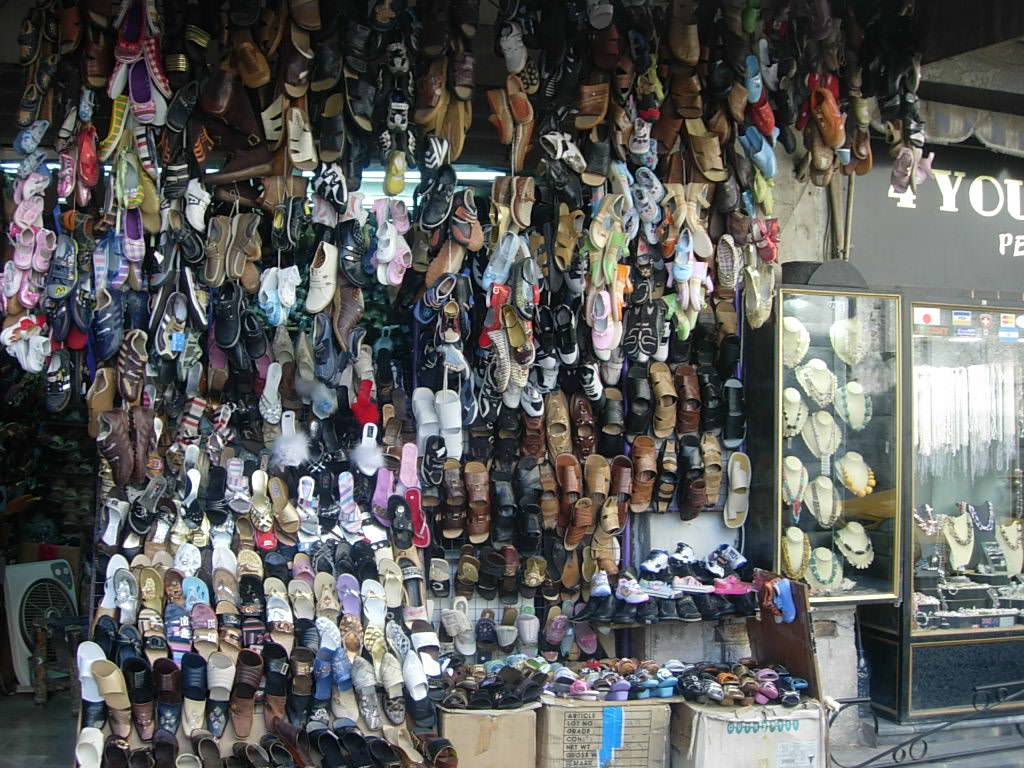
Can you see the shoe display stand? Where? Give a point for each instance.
(423, 445)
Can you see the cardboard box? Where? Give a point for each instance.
(602, 734)
(486, 738)
(749, 737)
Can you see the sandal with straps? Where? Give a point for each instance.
(668, 475)
(301, 149)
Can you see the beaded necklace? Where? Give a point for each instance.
(964, 541)
(974, 516)
(843, 409)
(929, 525)
(805, 374)
(791, 570)
(832, 573)
(1013, 543)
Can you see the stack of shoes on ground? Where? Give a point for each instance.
(744, 683)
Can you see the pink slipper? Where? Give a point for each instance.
(24, 248)
(46, 241)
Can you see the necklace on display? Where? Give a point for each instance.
(1012, 542)
(824, 492)
(930, 524)
(848, 340)
(855, 474)
(967, 538)
(974, 516)
(794, 412)
(855, 544)
(795, 341)
(824, 434)
(853, 406)
(833, 573)
(791, 569)
(794, 484)
(817, 381)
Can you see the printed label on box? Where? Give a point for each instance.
(795, 754)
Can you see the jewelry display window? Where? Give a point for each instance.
(838, 472)
(968, 491)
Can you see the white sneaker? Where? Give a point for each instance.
(682, 585)
(599, 585)
(630, 591)
(323, 278)
(656, 588)
(197, 200)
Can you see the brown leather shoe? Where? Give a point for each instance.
(622, 485)
(645, 472)
(696, 500)
(532, 441)
(597, 474)
(453, 517)
(548, 496)
(556, 416)
(100, 397)
(687, 400)
(115, 445)
(142, 439)
(664, 399)
(167, 678)
(139, 678)
(295, 740)
(582, 523)
(592, 105)
(570, 480)
(248, 673)
(478, 492)
(131, 366)
(346, 309)
(583, 425)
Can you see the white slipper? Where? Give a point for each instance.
(87, 653)
(738, 502)
(374, 602)
(89, 749)
(115, 564)
(368, 455)
(425, 413)
(117, 513)
(449, 412)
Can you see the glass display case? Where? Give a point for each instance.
(968, 384)
(833, 480)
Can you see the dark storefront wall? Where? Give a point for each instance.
(963, 230)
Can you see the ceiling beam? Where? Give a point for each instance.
(976, 98)
(951, 27)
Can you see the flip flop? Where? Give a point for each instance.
(374, 602)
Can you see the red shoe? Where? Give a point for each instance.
(500, 294)
(762, 117)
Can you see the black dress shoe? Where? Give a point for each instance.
(647, 612)
(104, 634)
(708, 611)
(602, 609)
(625, 613)
(666, 608)
(686, 609)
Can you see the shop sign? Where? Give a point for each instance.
(961, 230)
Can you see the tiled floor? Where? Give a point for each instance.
(36, 736)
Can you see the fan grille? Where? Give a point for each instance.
(44, 599)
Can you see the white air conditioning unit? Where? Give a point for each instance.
(34, 591)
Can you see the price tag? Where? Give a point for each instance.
(177, 341)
